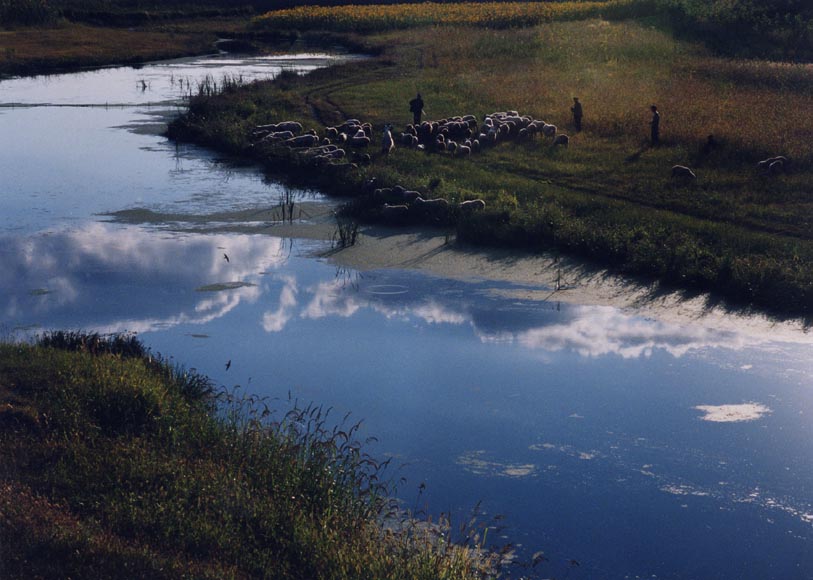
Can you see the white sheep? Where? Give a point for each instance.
(472, 205)
(410, 195)
(549, 130)
(278, 136)
(359, 140)
(292, 126)
(432, 204)
(776, 166)
(302, 141)
(763, 165)
(682, 172)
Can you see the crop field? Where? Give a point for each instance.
(381, 17)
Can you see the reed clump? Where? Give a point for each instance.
(118, 463)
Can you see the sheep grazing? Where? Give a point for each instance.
(387, 142)
(773, 165)
(776, 167)
(682, 172)
(432, 205)
(276, 136)
(549, 130)
(359, 140)
(292, 126)
(562, 140)
(406, 139)
(410, 195)
(395, 195)
(463, 150)
(472, 205)
(302, 141)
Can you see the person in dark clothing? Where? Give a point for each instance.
(655, 125)
(416, 106)
(576, 109)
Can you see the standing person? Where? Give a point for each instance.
(576, 109)
(655, 125)
(416, 106)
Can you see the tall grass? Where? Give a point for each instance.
(116, 465)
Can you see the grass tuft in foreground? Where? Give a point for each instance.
(116, 464)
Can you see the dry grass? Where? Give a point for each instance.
(36, 50)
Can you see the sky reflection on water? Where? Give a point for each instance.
(552, 413)
(105, 277)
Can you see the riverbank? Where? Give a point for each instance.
(610, 197)
(115, 461)
(70, 46)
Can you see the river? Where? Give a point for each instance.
(622, 444)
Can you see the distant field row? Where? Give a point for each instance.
(382, 17)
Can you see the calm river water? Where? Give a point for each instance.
(641, 448)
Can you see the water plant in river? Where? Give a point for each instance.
(346, 233)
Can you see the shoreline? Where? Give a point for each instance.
(581, 284)
(428, 250)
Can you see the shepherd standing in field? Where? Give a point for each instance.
(655, 124)
(576, 109)
(416, 106)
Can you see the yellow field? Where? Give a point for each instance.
(381, 17)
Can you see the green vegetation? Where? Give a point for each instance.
(116, 464)
(780, 29)
(609, 197)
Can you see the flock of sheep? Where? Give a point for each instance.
(464, 135)
(343, 147)
(458, 136)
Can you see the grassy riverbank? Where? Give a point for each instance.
(609, 196)
(118, 465)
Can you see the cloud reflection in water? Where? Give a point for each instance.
(111, 278)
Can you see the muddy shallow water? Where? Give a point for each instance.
(639, 446)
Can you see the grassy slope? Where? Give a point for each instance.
(609, 196)
(114, 465)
